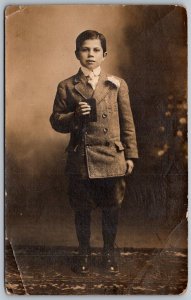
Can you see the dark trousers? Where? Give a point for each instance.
(88, 194)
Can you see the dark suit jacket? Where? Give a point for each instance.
(109, 141)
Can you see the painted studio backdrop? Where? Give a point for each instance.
(147, 46)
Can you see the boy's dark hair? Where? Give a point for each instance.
(90, 35)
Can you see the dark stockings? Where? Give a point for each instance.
(110, 217)
(82, 223)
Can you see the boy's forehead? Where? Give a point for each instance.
(91, 43)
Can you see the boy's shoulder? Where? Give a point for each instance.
(113, 79)
(117, 81)
(68, 81)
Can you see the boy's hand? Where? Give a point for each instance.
(83, 109)
(130, 166)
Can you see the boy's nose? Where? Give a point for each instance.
(90, 53)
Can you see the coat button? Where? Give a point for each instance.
(105, 130)
(104, 116)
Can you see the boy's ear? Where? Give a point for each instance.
(77, 54)
(105, 54)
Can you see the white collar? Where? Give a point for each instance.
(95, 71)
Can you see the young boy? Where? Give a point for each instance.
(95, 109)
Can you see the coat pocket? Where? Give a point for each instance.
(119, 146)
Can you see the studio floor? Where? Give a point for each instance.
(38, 270)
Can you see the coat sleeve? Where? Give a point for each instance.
(127, 127)
(62, 118)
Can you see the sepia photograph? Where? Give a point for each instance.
(96, 162)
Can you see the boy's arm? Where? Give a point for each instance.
(127, 127)
(62, 119)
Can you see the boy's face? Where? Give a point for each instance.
(91, 54)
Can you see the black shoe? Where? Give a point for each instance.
(82, 265)
(109, 264)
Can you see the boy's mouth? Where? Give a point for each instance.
(90, 60)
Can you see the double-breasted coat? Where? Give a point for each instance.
(110, 140)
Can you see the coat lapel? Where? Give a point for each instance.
(81, 85)
(102, 88)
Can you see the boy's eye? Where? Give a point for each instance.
(87, 49)
(84, 49)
